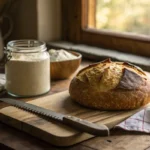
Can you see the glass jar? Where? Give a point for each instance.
(27, 68)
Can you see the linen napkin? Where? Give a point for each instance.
(138, 122)
(2, 84)
(2, 81)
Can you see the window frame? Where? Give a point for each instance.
(75, 29)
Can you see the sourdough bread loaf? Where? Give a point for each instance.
(111, 86)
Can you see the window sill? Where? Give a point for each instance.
(98, 54)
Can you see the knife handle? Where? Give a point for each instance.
(86, 126)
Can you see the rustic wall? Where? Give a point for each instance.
(24, 16)
(36, 19)
(49, 19)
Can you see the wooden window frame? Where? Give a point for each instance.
(74, 29)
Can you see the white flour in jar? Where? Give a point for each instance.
(27, 77)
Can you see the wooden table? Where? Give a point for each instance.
(11, 138)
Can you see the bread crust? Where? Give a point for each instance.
(132, 91)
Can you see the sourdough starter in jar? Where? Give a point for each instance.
(28, 72)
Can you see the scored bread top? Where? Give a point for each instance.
(108, 75)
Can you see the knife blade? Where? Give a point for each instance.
(77, 123)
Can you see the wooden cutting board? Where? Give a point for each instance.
(52, 131)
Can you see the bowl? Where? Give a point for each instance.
(65, 68)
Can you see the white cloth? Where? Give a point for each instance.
(2, 82)
(138, 122)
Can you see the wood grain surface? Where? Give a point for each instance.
(55, 132)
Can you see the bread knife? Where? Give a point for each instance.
(77, 123)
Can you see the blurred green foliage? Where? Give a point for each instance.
(124, 15)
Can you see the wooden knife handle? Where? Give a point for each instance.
(86, 126)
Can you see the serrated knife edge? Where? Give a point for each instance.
(33, 108)
(72, 121)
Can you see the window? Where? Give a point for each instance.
(111, 24)
(130, 16)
